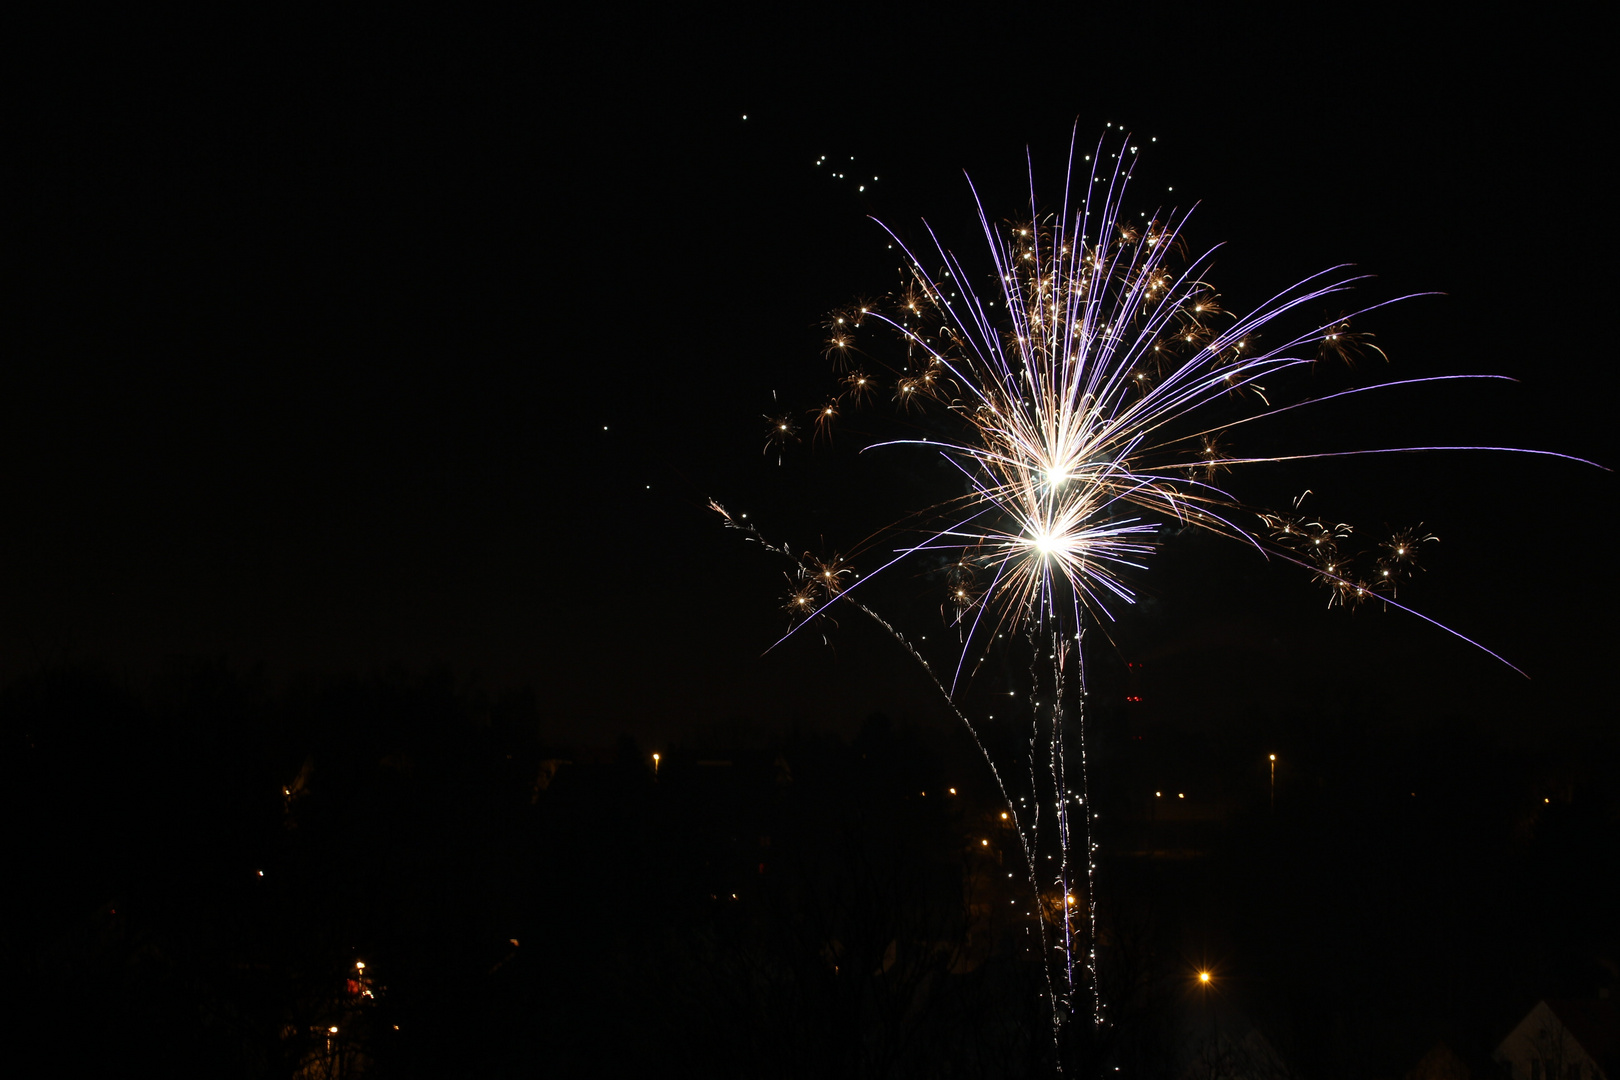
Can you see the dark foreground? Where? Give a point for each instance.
(198, 869)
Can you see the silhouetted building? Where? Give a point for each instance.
(1564, 1040)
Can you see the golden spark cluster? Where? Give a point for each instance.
(1343, 569)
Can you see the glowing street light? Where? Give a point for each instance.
(1273, 782)
(1203, 978)
(655, 764)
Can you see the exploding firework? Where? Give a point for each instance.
(1087, 396)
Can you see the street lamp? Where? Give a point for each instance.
(1273, 782)
(655, 764)
(1205, 981)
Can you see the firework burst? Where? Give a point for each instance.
(1088, 396)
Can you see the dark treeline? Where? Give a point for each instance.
(198, 867)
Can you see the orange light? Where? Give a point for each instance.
(1203, 977)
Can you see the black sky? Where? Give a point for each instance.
(345, 344)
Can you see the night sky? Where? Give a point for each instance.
(390, 343)
(372, 346)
